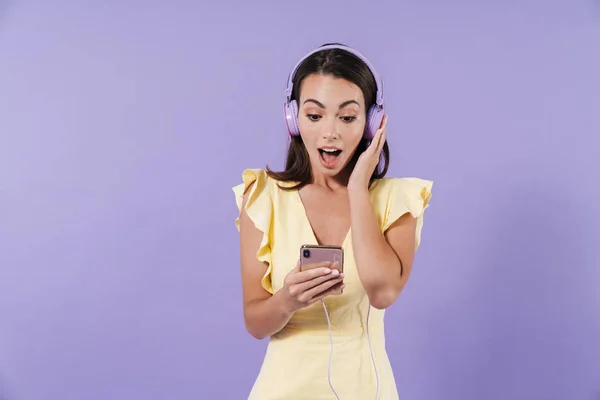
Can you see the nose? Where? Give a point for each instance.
(330, 131)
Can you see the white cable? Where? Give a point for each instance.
(331, 352)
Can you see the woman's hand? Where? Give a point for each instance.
(303, 288)
(368, 160)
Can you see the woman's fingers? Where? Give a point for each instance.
(316, 281)
(321, 288)
(306, 286)
(313, 271)
(332, 290)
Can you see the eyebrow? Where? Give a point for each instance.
(344, 104)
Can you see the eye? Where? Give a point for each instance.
(348, 119)
(313, 117)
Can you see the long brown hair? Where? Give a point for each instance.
(339, 64)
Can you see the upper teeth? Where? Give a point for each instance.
(330, 150)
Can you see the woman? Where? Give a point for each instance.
(332, 192)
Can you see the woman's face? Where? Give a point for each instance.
(331, 116)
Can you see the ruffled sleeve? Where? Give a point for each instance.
(407, 195)
(259, 208)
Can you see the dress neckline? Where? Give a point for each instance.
(309, 225)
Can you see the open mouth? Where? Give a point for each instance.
(330, 156)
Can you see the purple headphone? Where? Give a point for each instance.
(374, 114)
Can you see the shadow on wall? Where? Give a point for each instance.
(532, 299)
(3, 390)
(594, 7)
(5, 6)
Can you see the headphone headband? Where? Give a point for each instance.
(378, 80)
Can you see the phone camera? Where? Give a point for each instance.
(306, 253)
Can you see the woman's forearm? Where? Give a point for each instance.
(379, 268)
(266, 317)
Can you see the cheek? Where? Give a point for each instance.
(354, 145)
(305, 126)
(353, 135)
(309, 132)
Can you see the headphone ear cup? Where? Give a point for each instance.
(291, 118)
(374, 120)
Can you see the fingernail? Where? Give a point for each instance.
(326, 271)
(335, 272)
(343, 286)
(341, 275)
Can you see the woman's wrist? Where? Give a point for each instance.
(358, 194)
(283, 304)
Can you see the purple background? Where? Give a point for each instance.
(124, 125)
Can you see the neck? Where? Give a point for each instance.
(334, 182)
